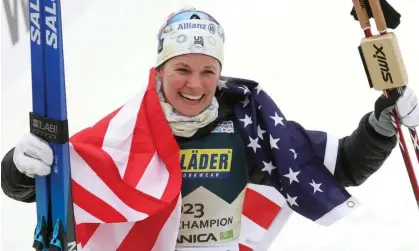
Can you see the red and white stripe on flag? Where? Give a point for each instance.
(265, 212)
(126, 182)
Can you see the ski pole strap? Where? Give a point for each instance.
(391, 16)
(50, 130)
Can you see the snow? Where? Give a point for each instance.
(304, 53)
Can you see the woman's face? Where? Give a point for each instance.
(189, 82)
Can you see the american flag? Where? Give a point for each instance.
(299, 163)
(126, 176)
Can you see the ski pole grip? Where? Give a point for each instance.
(362, 13)
(378, 14)
(380, 54)
(383, 62)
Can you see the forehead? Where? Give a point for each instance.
(194, 60)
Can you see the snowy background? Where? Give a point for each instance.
(304, 53)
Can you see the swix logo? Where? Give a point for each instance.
(382, 62)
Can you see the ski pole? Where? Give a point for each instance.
(379, 54)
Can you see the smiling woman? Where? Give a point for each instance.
(189, 62)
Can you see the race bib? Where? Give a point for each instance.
(208, 220)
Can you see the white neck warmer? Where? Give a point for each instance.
(185, 126)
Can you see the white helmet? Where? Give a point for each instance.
(190, 31)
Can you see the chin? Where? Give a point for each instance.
(190, 112)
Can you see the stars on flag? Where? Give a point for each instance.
(292, 176)
(245, 102)
(246, 120)
(273, 142)
(295, 154)
(258, 88)
(222, 85)
(285, 152)
(268, 167)
(316, 186)
(277, 119)
(260, 132)
(245, 89)
(254, 143)
(292, 200)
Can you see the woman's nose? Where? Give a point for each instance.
(194, 81)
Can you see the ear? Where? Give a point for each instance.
(159, 79)
(159, 72)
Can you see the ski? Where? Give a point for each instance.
(39, 108)
(48, 120)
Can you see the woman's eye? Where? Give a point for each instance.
(182, 70)
(209, 72)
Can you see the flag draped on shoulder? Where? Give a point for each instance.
(126, 178)
(126, 175)
(299, 163)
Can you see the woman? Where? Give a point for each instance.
(231, 134)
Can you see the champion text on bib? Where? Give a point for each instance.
(214, 179)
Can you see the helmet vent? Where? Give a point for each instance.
(195, 16)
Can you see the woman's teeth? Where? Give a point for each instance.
(191, 97)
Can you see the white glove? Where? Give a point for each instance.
(407, 109)
(33, 156)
